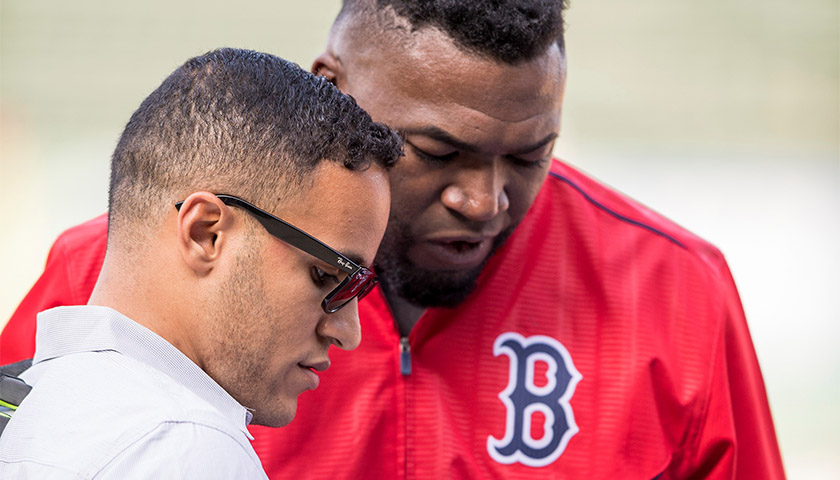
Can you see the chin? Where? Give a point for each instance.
(278, 417)
(425, 287)
(429, 288)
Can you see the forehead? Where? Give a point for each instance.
(424, 78)
(345, 209)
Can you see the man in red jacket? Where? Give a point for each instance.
(531, 322)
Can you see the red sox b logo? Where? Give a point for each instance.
(523, 398)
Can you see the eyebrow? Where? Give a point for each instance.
(355, 257)
(436, 133)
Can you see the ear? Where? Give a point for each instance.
(203, 225)
(327, 65)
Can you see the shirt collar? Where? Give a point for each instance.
(67, 330)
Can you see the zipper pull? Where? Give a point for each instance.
(405, 356)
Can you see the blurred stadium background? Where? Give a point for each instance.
(722, 115)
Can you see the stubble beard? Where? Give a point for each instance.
(236, 366)
(421, 287)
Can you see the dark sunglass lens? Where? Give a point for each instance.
(358, 286)
(368, 286)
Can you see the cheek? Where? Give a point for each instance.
(295, 299)
(291, 296)
(522, 190)
(408, 171)
(414, 188)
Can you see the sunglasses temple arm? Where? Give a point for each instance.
(302, 241)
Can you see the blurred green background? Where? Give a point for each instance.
(722, 115)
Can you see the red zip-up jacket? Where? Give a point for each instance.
(602, 341)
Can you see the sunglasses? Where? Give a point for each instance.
(360, 280)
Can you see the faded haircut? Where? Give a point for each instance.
(509, 31)
(238, 122)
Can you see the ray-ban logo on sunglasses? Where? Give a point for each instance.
(344, 264)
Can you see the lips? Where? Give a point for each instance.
(309, 369)
(453, 253)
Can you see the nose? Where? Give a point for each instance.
(342, 328)
(478, 193)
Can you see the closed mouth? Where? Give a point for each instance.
(320, 366)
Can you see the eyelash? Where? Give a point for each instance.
(433, 158)
(442, 159)
(322, 278)
(528, 163)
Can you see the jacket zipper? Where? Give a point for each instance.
(405, 356)
(405, 370)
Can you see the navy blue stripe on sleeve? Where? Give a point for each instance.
(614, 213)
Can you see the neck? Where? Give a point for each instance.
(140, 297)
(406, 314)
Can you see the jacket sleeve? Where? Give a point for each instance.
(72, 268)
(735, 438)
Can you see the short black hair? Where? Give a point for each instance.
(510, 31)
(238, 122)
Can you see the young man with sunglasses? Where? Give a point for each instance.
(531, 323)
(210, 312)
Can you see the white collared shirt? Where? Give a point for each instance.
(112, 399)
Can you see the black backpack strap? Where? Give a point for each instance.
(15, 369)
(12, 390)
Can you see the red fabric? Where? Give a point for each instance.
(648, 314)
(72, 268)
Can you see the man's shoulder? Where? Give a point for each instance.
(97, 406)
(116, 386)
(619, 215)
(69, 277)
